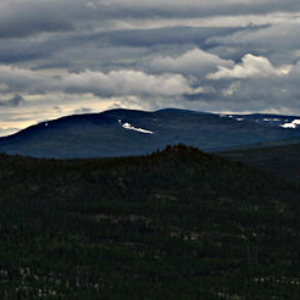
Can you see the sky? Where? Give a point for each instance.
(63, 57)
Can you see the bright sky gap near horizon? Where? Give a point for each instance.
(64, 57)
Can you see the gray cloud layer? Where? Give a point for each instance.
(216, 55)
(20, 18)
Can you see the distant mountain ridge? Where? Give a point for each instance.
(272, 120)
(121, 132)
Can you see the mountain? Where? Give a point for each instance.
(271, 120)
(128, 132)
(177, 224)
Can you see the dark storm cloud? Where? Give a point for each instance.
(15, 101)
(190, 8)
(19, 50)
(161, 36)
(25, 18)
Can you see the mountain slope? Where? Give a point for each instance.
(178, 224)
(127, 132)
(282, 160)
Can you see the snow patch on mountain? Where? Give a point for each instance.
(293, 124)
(128, 126)
(271, 119)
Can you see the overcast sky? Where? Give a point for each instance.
(60, 57)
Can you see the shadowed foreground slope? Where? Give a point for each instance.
(282, 160)
(178, 224)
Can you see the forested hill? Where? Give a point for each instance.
(177, 224)
(281, 160)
